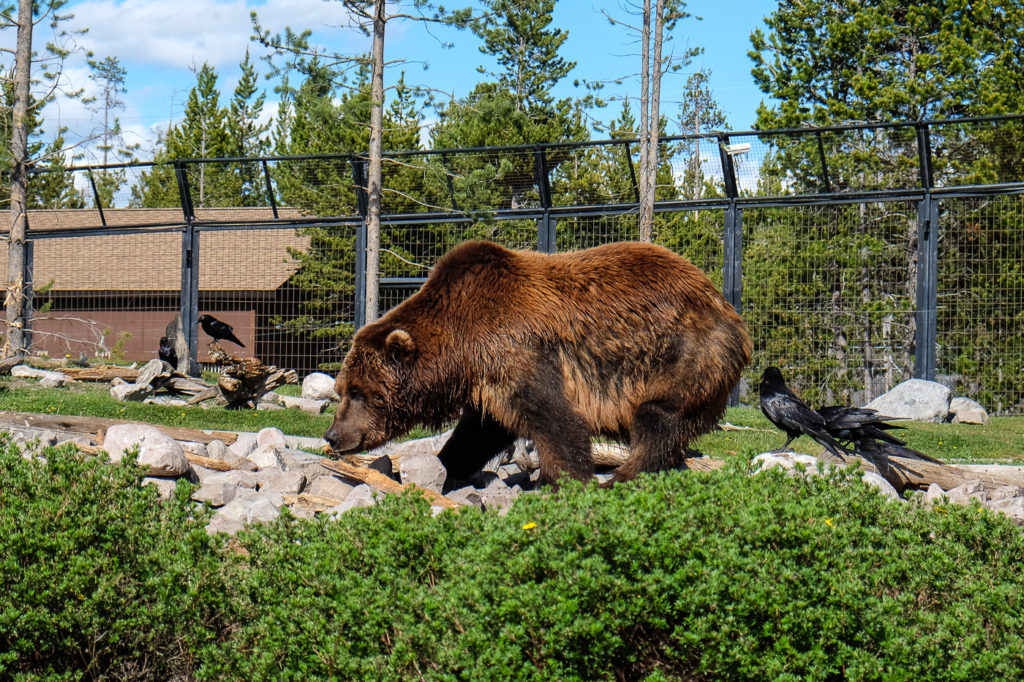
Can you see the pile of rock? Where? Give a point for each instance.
(259, 474)
(1005, 499)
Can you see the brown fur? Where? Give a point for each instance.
(626, 340)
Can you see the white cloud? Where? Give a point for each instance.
(180, 33)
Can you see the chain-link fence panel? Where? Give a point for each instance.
(829, 295)
(980, 347)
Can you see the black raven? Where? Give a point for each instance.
(855, 424)
(219, 330)
(790, 414)
(167, 353)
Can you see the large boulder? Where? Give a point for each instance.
(318, 386)
(159, 454)
(967, 411)
(917, 399)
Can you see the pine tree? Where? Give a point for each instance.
(110, 77)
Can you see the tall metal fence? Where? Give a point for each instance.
(859, 256)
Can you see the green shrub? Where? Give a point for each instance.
(98, 579)
(676, 576)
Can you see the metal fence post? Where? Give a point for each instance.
(926, 317)
(545, 224)
(189, 264)
(362, 202)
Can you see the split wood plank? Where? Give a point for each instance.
(385, 484)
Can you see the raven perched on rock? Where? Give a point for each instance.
(790, 414)
(219, 330)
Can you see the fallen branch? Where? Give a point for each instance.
(905, 472)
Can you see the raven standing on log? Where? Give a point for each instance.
(219, 330)
(790, 414)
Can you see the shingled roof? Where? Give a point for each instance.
(237, 259)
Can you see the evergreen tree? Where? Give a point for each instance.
(865, 61)
(110, 77)
(211, 131)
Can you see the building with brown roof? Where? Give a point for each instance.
(113, 279)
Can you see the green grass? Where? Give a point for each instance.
(1001, 441)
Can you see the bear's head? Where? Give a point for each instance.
(371, 385)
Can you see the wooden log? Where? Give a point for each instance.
(905, 472)
(384, 484)
(101, 373)
(98, 425)
(208, 462)
(314, 502)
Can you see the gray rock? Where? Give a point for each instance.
(280, 482)
(1006, 492)
(126, 392)
(786, 460)
(917, 399)
(224, 524)
(216, 449)
(252, 507)
(878, 481)
(499, 498)
(964, 493)
(305, 404)
(934, 493)
(361, 496)
(420, 446)
(469, 496)
(967, 411)
(271, 436)
(244, 445)
(158, 453)
(266, 457)
(164, 486)
(54, 381)
(216, 493)
(318, 386)
(424, 470)
(329, 486)
(265, 406)
(1012, 507)
(234, 478)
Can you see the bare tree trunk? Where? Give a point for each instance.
(15, 300)
(375, 170)
(645, 129)
(654, 119)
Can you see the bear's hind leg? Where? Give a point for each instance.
(475, 440)
(658, 440)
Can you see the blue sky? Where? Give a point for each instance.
(159, 41)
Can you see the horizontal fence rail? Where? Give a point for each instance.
(859, 255)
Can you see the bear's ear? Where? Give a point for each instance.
(399, 346)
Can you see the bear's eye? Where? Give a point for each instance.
(354, 394)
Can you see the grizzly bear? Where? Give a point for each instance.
(627, 340)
